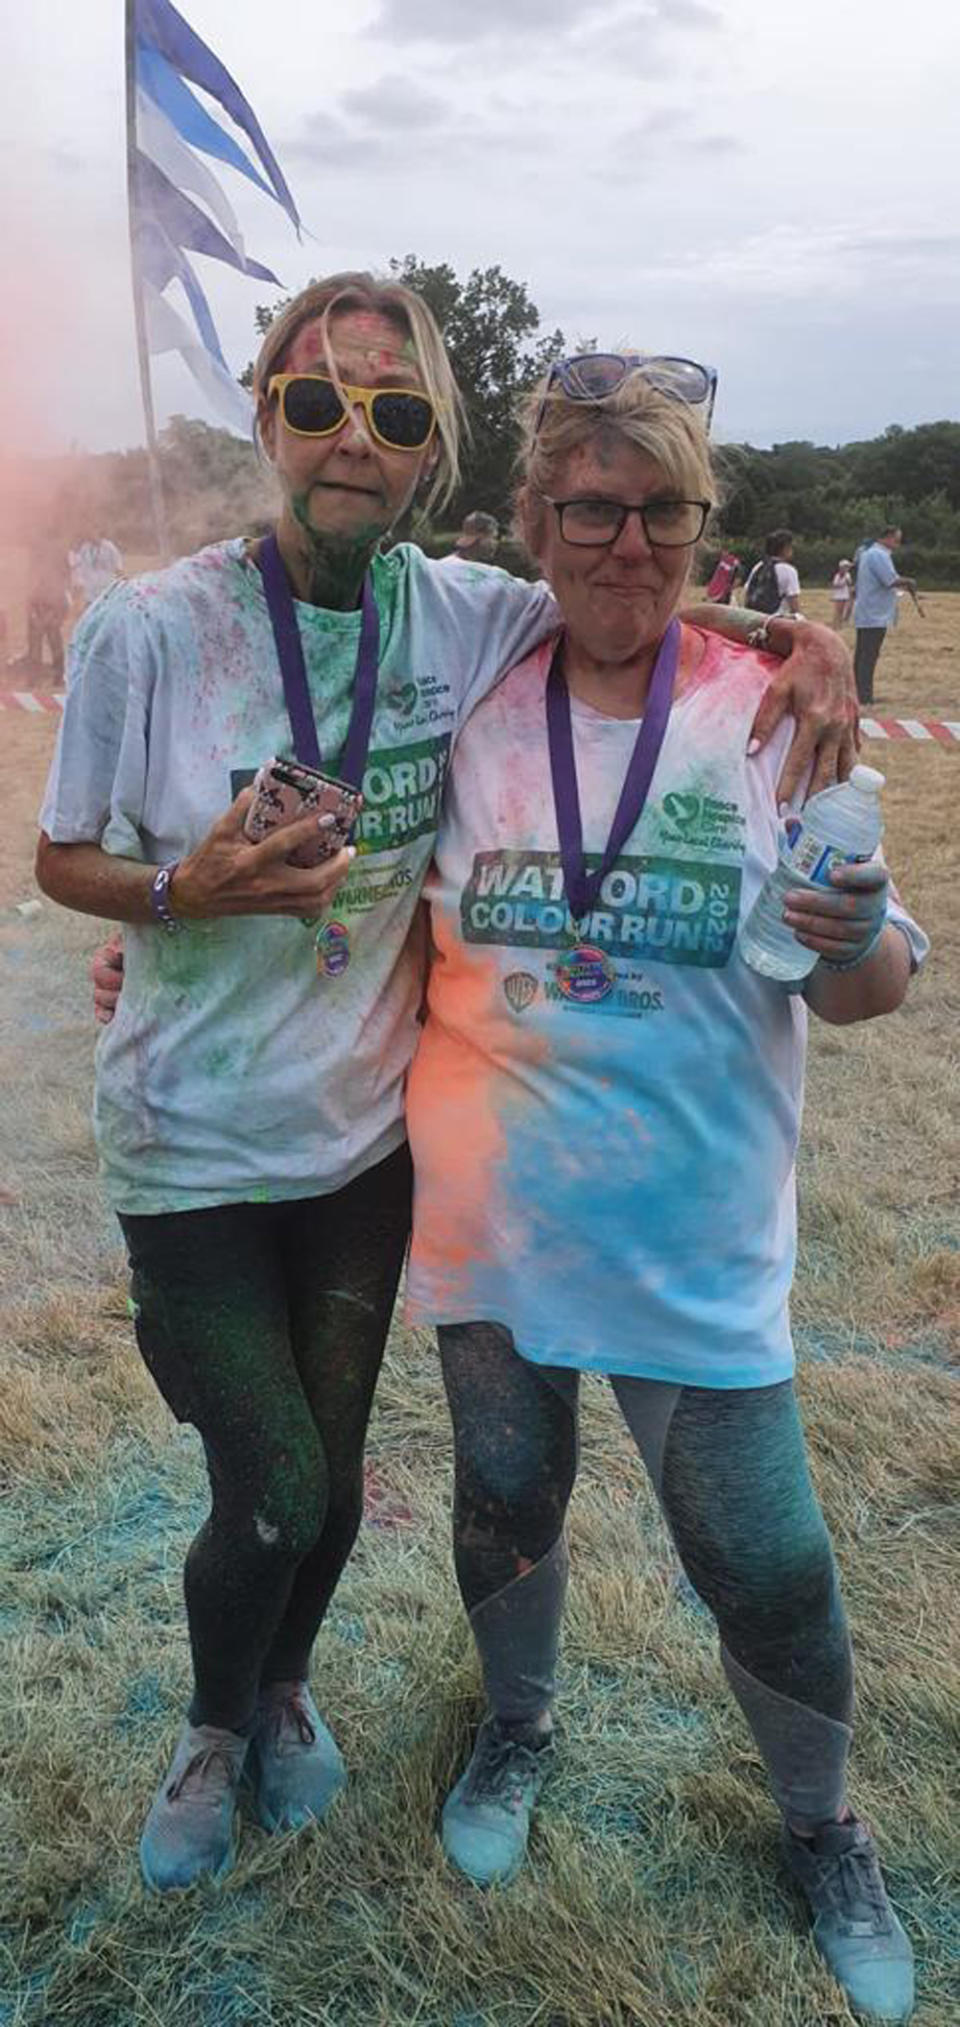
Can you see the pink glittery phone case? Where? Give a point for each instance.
(284, 791)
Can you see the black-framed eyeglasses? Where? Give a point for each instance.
(596, 524)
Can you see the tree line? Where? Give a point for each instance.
(831, 497)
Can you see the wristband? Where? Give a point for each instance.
(854, 963)
(160, 896)
(759, 636)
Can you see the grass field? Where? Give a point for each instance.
(653, 1894)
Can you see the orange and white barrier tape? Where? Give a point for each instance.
(945, 731)
(32, 700)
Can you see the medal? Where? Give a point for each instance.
(333, 949)
(586, 974)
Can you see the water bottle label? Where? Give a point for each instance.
(812, 859)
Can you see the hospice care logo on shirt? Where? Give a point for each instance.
(706, 822)
(659, 908)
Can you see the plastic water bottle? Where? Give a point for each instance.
(840, 826)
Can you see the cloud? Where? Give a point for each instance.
(719, 144)
(672, 127)
(460, 21)
(395, 102)
(664, 121)
(688, 14)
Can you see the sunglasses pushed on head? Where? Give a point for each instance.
(593, 376)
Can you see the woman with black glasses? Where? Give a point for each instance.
(603, 1115)
(250, 1092)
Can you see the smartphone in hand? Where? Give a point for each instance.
(285, 791)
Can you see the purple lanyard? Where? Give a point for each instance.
(583, 888)
(286, 633)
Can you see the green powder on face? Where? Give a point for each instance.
(336, 563)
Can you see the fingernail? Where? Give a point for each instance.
(325, 823)
(783, 809)
(754, 747)
(351, 851)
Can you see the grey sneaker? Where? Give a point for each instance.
(295, 1764)
(189, 1832)
(486, 1817)
(855, 1928)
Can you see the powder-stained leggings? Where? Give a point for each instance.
(264, 1325)
(731, 1476)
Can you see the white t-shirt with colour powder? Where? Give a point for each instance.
(253, 1057)
(604, 1145)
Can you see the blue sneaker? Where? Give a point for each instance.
(189, 1833)
(855, 1928)
(486, 1817)
(296, 1766)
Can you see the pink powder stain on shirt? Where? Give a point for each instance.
(707, 658)
(456, 1130)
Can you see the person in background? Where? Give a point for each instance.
(773, 584)
(603, 1113)
(478, 540)
(726, 575)
(841, 592)
(95, 565)
(47, 602)
(875, 606)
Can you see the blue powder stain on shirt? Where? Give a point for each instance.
(637, 1278)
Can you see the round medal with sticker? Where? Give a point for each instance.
(333, 949)
(585, 974)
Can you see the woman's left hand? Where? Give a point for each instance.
(840, 922)
(816, 686)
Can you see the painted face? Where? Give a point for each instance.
(348, 485)
(617, 600)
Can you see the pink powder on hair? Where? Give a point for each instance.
(305, 350)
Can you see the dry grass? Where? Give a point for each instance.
(652, 1894)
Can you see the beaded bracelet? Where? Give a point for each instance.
(160, 896)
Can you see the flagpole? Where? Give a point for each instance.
(143, 356)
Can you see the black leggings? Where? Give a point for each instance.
(730, 1471)
(264, 1325)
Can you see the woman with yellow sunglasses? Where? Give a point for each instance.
(250, 1092)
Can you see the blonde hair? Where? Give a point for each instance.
(339, 292)
(671, 431)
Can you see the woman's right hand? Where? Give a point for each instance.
(106, 971)
(227, 875)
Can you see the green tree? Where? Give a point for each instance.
(491, 328)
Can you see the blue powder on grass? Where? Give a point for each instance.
(346, 1626)
(239, 1997)
(145, 1699)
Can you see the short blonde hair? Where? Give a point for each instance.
(671, 431)
(393, 300)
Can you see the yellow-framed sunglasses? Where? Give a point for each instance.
(310, 405)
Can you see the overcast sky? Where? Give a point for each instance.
(771, 188)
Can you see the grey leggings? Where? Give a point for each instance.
(730, 1472)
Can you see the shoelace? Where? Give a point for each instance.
(201, 1764)
(499, 1770)
(853, 1883)
(292, 1707)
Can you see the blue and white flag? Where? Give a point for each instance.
(171, 124)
